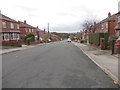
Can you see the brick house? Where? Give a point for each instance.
(26, 29)
(117, 28)
(106, 26)
(9, 31)
(0, 28)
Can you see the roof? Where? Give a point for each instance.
(7, 18)
(111, 18)
(22, 24)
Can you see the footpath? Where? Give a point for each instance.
(110, 64)
(4, 50)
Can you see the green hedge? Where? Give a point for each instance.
(95, 38)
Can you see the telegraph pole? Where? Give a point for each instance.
(48, 31)
(48, 28)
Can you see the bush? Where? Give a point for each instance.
(94, 38)
(29, 38)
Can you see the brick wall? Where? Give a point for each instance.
(12, 43)
(111, 28)
(8, 25)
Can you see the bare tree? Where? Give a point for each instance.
(87, 24)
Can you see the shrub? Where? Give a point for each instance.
(29, 38)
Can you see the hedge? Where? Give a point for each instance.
(95, 38)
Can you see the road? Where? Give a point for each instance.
(55, 65)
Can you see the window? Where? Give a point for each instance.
(18, 36)
(32, 30)
(102, 26)
(119, 33)
(29, 30)
(118, 19)
(6, 36)
(18, 26)
(14, 36)
(26, 30)
(106, 25)
(3, 24)
(11, 25)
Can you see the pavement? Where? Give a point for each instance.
(4, 50)
(103, 58)
(55, 65)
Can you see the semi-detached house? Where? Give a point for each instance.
(9, 31)
(106, 26)
(26, 29)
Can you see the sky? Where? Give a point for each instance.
(62, 15)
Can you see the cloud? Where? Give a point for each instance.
(72, 27)
(28, 9)
(63, 15)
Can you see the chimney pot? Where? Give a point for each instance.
(109, 14)
(37, 27)
(94, 23)
(24, 21)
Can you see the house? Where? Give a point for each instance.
(117, 28)
(9, 31)
(26, 29)
(107, 25)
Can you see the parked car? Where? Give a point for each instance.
(69, 40)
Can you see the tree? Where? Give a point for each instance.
(77, 35)
(88, 22)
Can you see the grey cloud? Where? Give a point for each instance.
(72, 14)
(32, 15)
(28, 9)
(74, 27)
(78, 11)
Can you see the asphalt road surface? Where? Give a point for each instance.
(55, 65)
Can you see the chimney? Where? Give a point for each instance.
(44, 31)
(109, 14)
(94, 23)
(37, 27)
(24, 21)
(0, 15)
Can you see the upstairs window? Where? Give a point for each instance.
(12, 25)
(118, 19)
(18, 27)
(4, 25)
(32, 30)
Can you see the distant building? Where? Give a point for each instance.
(9, 31)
